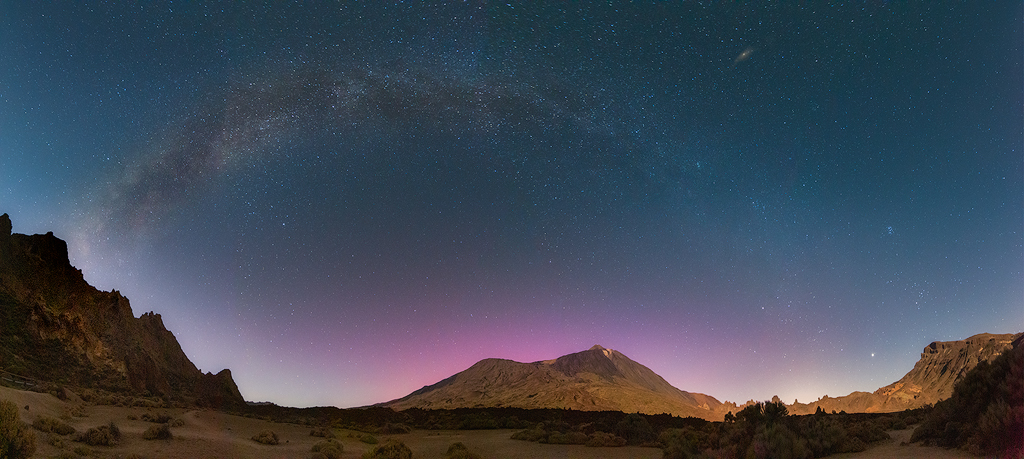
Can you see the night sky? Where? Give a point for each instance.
(343, 203)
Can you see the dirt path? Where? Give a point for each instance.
(897, 448)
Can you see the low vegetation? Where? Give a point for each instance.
(107, 435)
(390, 449)
(160, 432)
(393, 429)
(17, 441)
(267, 437)
(322, 431)
(327, 449)
(161, 418)
(460, 451)
(760, 430)
(46, 424)
(766, 430)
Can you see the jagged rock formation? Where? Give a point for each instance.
(57, 328)
(593, 380)
(942, 364)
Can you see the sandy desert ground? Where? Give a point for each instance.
(211, 434)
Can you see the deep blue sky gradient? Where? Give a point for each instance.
(343, 203)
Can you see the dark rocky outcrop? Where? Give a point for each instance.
(57, 328)
(593, 380)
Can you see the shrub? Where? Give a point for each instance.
(601, 439)
(45, 424)
(330, 449)
(266, 437)
(678, 443)
(635, 429)
(459, 451)
(390, 449)
(160, 432)
(108, 435)
(162, 418)
(82, 451)
(368, 439)
(393, 429)
(776, 441)
(324, 432)
(16, 440)
(534, 434)
(568, 438)
(178, 422)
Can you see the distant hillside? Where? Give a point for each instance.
(58, 329)
(592, 380)
(942, 364)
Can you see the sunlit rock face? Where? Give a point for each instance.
(59, 330)
(942, 364)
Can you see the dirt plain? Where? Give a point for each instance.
(212, 434)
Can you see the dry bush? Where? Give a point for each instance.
(568, 438)
(635, 429)
(108, 435)
(16, 440)
(368, 439)
(323, 432)
(534, 434)
(330, 449)
(460, 451)
(778, 442)
(162, 418)
(45, 424)
(178, 422)
(602, 439)
(160, 432)
(390, 449)
(266, 437)
(394, 429)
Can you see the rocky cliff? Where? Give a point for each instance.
(942, 364)
(593, 380)
(57, 328)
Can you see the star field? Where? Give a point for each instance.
(346, 202)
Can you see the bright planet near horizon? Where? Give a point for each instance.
(344, 202)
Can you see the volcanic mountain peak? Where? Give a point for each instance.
(595, 379)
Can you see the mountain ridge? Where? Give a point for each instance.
(56, 328)
(932, 378)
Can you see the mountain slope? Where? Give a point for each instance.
(56, 328)
(592, 380)
(942, 364)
